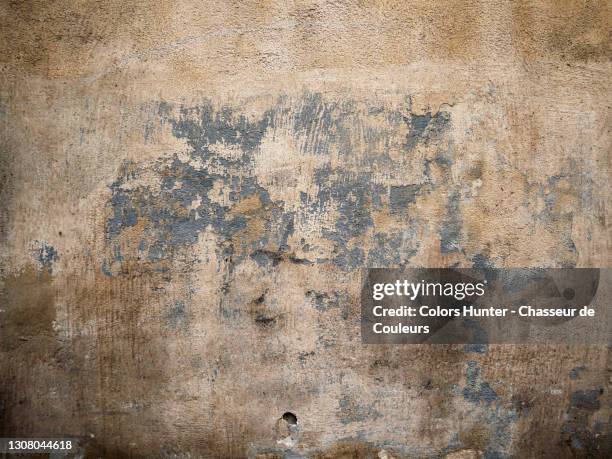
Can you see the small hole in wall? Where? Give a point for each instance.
(290, 418)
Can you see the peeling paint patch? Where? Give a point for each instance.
(223, 143)
(425, 127)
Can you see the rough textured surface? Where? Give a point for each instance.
(190, 190)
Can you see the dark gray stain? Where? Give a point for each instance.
(583, 437)
(490, 411)
(352, 411)
(401, 196)
(477, 391)
(393, 249)
(450, 232)
(105, 268)
(426, 127)
(170, 220)
(586, 399)
(560, 218)
(333, 300)
(46, 255)
(479, 338)
(304, 356)
(576, 372)
(264, 320)
(482, 262)
(323, 301)
(177, 316)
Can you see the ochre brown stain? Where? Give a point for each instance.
(28, 312)
(27, 341)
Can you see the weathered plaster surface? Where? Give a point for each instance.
(190, 191)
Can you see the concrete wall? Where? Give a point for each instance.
(190, 190)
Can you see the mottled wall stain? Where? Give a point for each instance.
(190, 192)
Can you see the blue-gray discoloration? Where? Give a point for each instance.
(401, 196)
(218, 126)
(117, 253)
(450, 233)
(555, 216)
(46, 255)
(394, 249)
(425, 127)
(585, 437)
(482, 262)
(351, 411)
(476, 390)
(106, 269)
(489, 409)
(124, 215)
(586, 399)
(323, 301)
(500, 422)
(177, 316)
(576, 372)
(479, 338)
